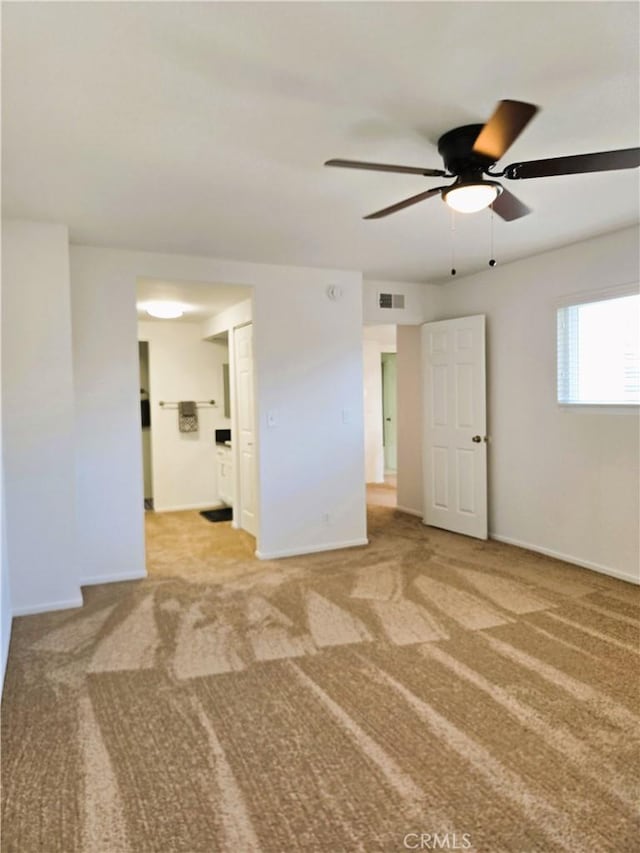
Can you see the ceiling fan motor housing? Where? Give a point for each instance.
(456, 149)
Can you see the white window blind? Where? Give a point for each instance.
(599, 352)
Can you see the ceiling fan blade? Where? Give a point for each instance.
(503, 128)
(602, 161)
(384, 167)
(508, 207)
(406, 203)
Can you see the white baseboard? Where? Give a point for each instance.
(186, 507)
(567, 558)
(46, 607)
(406, 509)
(309, 549)
(125, 576)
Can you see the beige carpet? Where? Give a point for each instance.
(347, 701)
(382, 494)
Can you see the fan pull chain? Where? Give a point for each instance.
(453, 242)
(492, 260)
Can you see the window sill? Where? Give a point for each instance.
(611, 408)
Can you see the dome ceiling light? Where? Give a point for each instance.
(470, 197)
(164, 310)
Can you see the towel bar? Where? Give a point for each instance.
(199, 403)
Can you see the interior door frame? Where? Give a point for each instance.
(384, 362)
(235, 444)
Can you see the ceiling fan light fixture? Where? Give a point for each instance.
(164, 310)
(471, 197)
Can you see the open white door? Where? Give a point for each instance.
(243, 350)
(455, 425)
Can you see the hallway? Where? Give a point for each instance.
(383, 494)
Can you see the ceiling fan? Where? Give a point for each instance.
(469, 153)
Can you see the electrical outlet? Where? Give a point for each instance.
(272, 418)
(326, 519)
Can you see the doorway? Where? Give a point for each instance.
(145, 423)
(389, 413)
(380, 414)
(191, 426)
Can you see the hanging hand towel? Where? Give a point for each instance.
(187, 416)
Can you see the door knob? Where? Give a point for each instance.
(477, 439)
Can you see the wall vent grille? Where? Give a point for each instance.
(391, 300)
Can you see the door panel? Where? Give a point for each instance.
(464, 396)
(439, 405)
(455, 465)
(465, 463)
(440, 473)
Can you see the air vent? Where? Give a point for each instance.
(391, 300)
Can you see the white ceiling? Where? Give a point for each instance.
(200, 300)
(202, 127)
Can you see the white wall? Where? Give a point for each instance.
(376, 340)
(224, 321)
(38, 418)
(308, 353)
(6, 615)
(384, 336)
(561, 481)
(414, 302)
(107, 397)
(184, 367)
(5, 584)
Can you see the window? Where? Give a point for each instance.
(599, 352)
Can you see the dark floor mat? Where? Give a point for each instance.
(225, 513)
